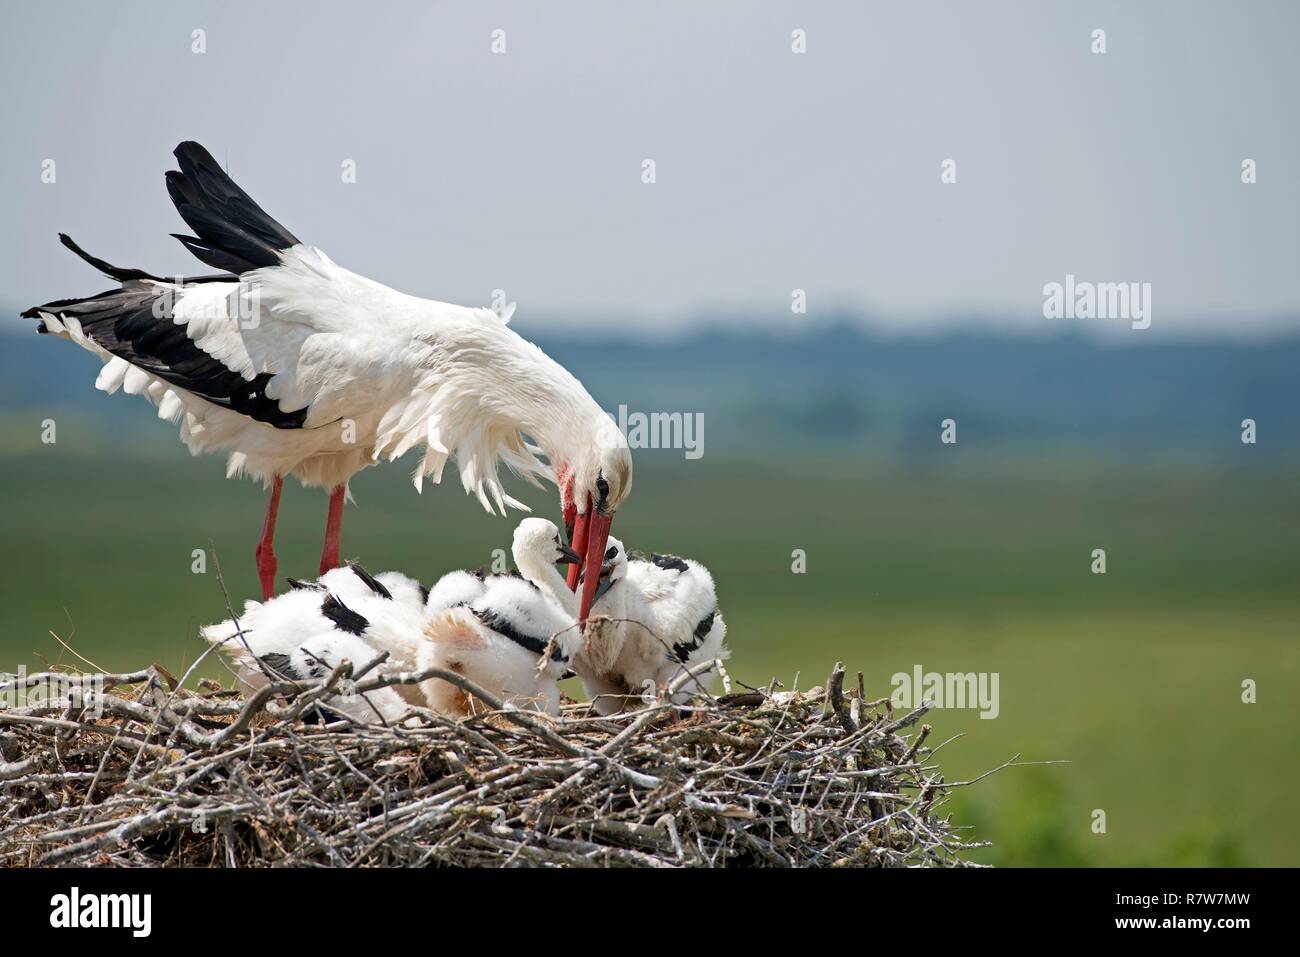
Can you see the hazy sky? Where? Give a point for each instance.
(775, 171)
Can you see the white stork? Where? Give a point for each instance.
(498, 630)
(303, 634)
(663, 619)
(495, 634)
(296, 366)
(536, 547)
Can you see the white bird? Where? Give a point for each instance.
(303, 634)
(496, 630)
(458, 587)
(535, 545)
(663, 618)
(351, 582)
(296, 366)
(493, 632)
(533, 551)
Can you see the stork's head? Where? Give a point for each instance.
(602, 480)
(538, 542)
(613, 568)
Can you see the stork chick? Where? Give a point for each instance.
(497, 630)
(662, 618)
(303, 634)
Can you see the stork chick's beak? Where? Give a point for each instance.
(606, 583)
(594, 554)
(569, 556)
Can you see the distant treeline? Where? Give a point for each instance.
(847, 388)
(853, 392)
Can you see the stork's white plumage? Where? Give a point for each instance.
(305, 633)
(515, 636)
(352, 583)
(663, 618)
(294, 365)
(455, 588)
(496, 630)
(533, 547)
(536, 548)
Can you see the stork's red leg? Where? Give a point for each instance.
(329, 556)
(265, 552)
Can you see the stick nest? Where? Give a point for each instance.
(141, 773)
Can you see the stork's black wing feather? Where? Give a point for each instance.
(504, 627)
(233, 232)
(122, 274)
(370, 581)
(682, 650)
(281, 666)
(298, 585)
(343, 616)
(668, 562)
(135, 323)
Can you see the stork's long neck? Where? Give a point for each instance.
(554, 409)
(546, 577)
(569, 438)
(613, 603)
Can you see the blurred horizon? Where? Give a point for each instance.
(846, 389)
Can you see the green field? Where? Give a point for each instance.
(954, 563)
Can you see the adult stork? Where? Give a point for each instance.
(296, 366)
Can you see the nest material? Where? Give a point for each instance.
(172, 777)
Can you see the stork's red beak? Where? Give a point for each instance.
(579, 542)
(597, 529)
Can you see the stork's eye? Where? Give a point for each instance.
(611, 554)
